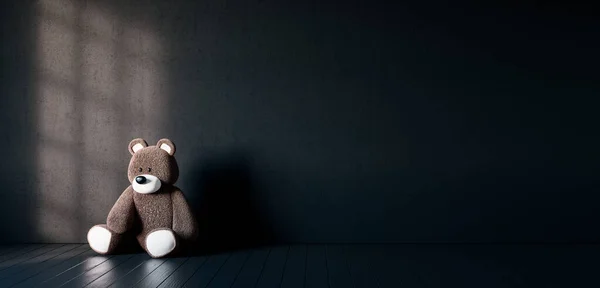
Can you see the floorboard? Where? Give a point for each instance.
(295, 268)
(15, 257)
(158, 275)
(75, 271)
(397, 266)
(498, 258)
(55, 258)
(96, 272)
(471, 273)
(337, 265)
(138, 274)
(372, 265)
(204, 274)
(35, 261)
(230, 270)
(362, 270)
(272, 273)
(58, 269)
(183, 274)
(119, 271)
(19, 250)
(5, 249)
(251, 270)
(317, 273)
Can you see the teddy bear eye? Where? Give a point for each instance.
(140, 169)
(149, 169)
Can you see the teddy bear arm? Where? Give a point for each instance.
(184, 222)
(122, 215)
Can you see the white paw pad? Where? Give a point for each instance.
(99, 239)
(160, 243)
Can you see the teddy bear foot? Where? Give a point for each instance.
(99, 239)
(160, 242)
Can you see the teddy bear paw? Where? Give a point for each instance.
(99, 239)
(160, 243)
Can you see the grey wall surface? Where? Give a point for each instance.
(314, 122)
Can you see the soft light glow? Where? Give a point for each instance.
(97, 76)
(147, 86)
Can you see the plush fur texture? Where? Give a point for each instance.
(165, 210)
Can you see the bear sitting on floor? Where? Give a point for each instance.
(151, 206)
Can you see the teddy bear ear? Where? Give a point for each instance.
(137, 144)
(167, 145)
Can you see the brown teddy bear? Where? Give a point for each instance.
(151, 207)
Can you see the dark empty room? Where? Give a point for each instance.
(263, 143)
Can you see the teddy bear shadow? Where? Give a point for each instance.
(225, 200)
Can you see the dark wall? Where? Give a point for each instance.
(316, 122)
(17, 123)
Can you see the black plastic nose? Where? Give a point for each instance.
(140, 179)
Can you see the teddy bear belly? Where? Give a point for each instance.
(154, 211)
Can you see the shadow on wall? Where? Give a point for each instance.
(17, 172)
(227, 205)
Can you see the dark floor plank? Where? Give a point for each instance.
(29, 255)
(32, 262)
(554, 265)
(494, 258)
(20, 252)
(54, 260)
(250, 272)
(5, 249)
(90, 275)
(54, 271)
(397, 266)
(559, 262)
(89, 264)
(273, 271)
(434, 260)
(404, 265)
(207, 272)
(473, 273)
(138, 274)
(446, 265)
(381, 262)
(337, 265)
(181, 275)
(582, 266)
(362, 269)
(230, 270)
(120, 271)
(535, 264)
(161, 273)
(316, 267)
(295, 268)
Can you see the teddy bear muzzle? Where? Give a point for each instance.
(146, 184)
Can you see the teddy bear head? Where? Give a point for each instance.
(151, 167)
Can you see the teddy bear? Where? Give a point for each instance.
(151, 208)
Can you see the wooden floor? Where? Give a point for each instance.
(403, 265)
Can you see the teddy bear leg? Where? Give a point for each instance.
(102, 240)
(159, 242)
